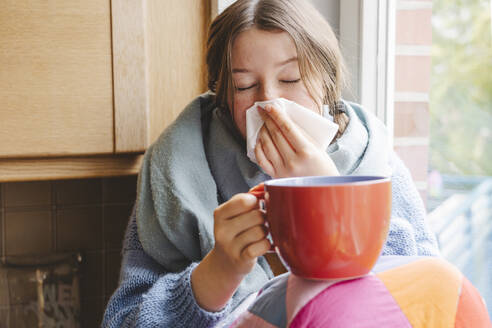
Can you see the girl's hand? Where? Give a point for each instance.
(284, 150)
(240, 237)
(240, 234)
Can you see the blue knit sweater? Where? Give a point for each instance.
(148, 296)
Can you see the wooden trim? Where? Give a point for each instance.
(130, 76)
(175, 52)
(68, 167)
(214, 9)
(158, 65)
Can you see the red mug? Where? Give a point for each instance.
(328, 227)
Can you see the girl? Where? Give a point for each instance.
(195, 244)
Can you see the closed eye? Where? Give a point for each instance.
(245, 88)
(253, 85)
(290, 81)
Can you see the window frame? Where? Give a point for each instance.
(367, 39)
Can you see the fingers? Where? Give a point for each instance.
(249, 237)
(274, 136)
(281, 127)
(227, 228)
(263, 161)
(239, 239)
(239, 224)
(267, 155)
(256, 249)
(237, 205)
(269, 147)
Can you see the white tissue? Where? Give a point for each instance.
(320, 129)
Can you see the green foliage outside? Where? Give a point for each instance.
(461, 91)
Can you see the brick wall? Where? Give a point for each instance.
(412, 86)
(90, 215)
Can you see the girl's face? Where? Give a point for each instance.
(264, 67)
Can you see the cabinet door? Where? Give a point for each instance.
(159, 65)
(56, 94)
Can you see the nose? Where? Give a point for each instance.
(267, 92)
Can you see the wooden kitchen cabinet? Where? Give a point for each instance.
(87, 86)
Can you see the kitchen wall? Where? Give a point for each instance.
(90, 215)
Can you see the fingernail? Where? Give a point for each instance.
(268, 108)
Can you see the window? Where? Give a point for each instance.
(426, 68)
(459, 189)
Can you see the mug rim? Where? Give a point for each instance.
(327, 181)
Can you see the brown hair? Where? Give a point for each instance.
(320, 61)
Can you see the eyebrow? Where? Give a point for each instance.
(282, 63)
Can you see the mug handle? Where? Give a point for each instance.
(259, 192)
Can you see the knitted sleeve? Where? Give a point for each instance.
(147, 296)
(409, 232)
